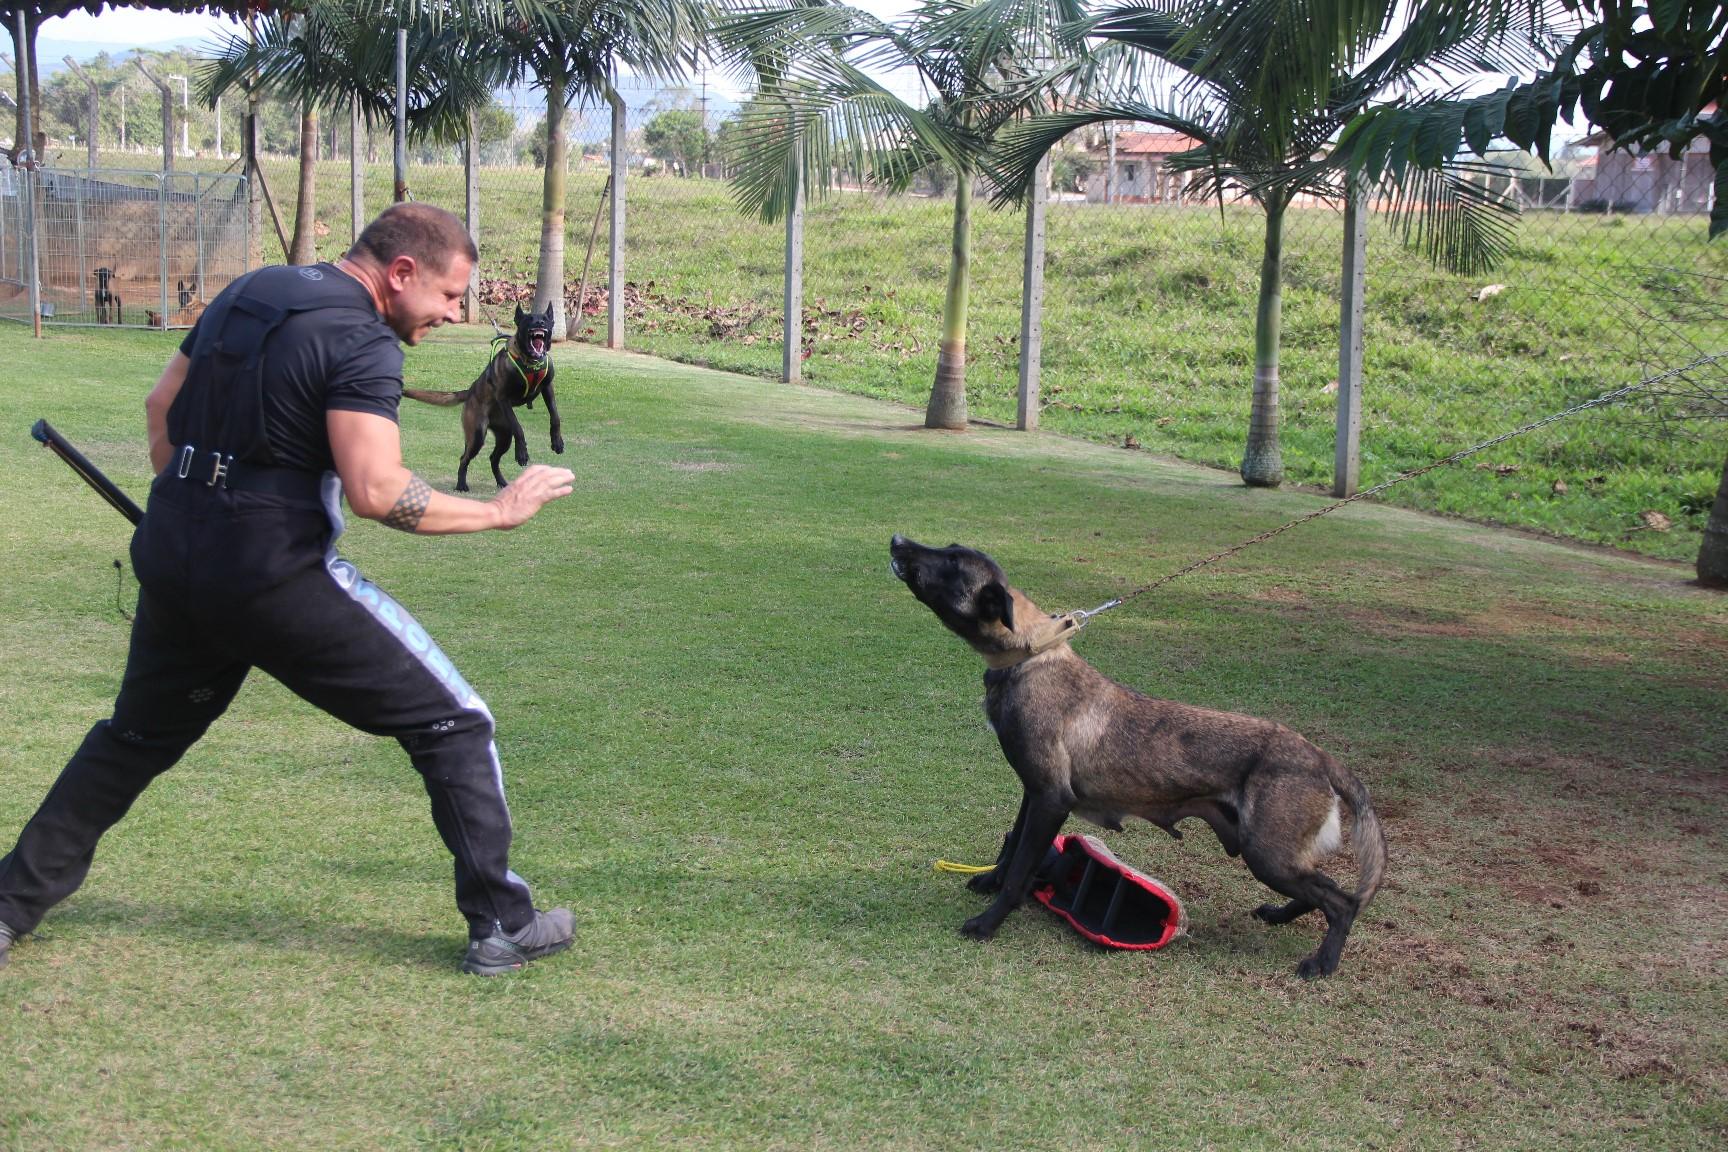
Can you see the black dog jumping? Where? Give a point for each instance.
(519, 373)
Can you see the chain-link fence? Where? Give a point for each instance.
(141, 249)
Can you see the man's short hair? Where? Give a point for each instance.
(430, 235)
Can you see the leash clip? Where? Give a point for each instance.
(1084, 617)
(218, 470)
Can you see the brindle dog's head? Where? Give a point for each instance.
(533, 333)
(965, 588)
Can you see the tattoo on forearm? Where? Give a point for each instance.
(410, 506)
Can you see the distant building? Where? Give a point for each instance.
(1629, 180)
(1142, 176)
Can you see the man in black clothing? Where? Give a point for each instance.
(279, 402)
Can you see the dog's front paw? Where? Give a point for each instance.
(989, 883)
(979, 928)
(558, 445)
(462, 486)
(1313, 967)
(521, 458)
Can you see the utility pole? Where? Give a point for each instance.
(218, 127)
(185, 118)
(28, 164)
(167, 114)
(90, 114)
(122, 117)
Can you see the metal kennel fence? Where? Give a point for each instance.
(118, 247)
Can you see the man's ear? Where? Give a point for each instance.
(400, 271)
(995, 602)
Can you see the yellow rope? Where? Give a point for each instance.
(963, 869)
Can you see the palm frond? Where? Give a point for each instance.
(1453, 214)
(832, 110)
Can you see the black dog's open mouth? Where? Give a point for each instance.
(537, 345)
(898, 564)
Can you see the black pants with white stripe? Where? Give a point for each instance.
(330, 636)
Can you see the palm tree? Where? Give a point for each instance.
(983, 63)
(335, 51)
(1263, 92)
(575, 50)
(298, 57)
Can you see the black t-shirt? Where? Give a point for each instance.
(327, 359)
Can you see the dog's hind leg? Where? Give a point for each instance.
(1307, 888)
(991, 882)
(476, 441)
(501, 445)
(1044, 814)
(1282, 913)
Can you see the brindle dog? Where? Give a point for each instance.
(1083, 744)
(520, 373)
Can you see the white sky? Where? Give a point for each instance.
(128, 27)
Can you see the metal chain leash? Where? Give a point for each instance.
(1601, 401)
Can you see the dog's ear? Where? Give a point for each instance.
(995, 602)
(520, 313)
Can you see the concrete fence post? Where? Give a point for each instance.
(792, 330)
(1352, 285)
(615, 247)
(1032, 300)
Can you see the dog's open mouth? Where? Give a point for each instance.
(896, 562)
(537, 345)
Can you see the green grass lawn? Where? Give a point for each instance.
(734, 745)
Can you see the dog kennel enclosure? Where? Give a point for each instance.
(118, 247)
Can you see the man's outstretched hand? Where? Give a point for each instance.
(536, 486)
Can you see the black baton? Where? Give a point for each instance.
(87, 471)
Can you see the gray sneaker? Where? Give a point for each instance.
(502, 951)
(6, 938)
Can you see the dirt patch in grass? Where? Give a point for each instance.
(1629, 1050)
(1609, 779)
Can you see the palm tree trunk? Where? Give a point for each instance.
(1713, 555)
(303, 249)
(549, 289)
(947, 407)
(1262, 463)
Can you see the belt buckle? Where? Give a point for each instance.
(218, 470)
(186, 454)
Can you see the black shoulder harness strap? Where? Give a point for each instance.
(220, 407)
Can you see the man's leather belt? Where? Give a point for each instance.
(219, 470)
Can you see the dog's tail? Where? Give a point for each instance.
(1369, 839)
(442, 399)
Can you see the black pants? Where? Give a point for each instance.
(330, 636)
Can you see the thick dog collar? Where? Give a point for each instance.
(1058, 630)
